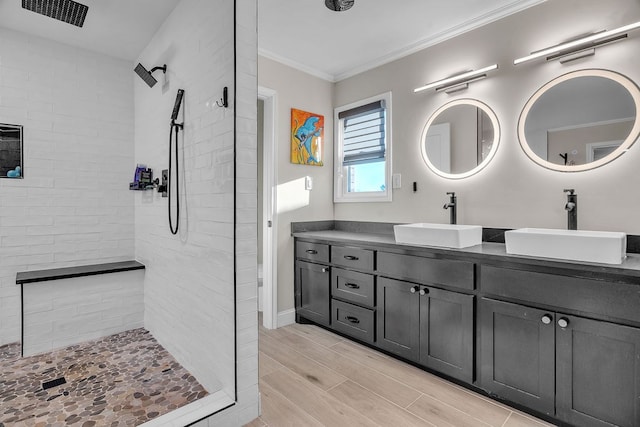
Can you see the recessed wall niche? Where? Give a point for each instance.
(11, 151)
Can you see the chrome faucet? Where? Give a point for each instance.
(453, 206)
(572, 209)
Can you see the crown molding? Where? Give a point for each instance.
(465, 27)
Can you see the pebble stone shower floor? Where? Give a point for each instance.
(124, 379)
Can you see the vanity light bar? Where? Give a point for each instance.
(458, 80)
(579, 44)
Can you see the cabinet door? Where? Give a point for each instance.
(517, 354)
(598, 373)
(398, 318)
(313, 292)
(446, 332)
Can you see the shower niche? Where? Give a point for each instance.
(11, 154)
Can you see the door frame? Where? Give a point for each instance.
(269, 210)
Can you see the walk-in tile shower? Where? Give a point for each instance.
(83, 339)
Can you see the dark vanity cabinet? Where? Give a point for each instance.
(597, 372)
(313, 291)
(585, 372)
(560, 339)
(428, 325)
(518, 354)
(313, 281)
(353, 303)
(395, 302)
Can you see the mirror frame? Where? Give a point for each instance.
(496, 137)
(623, 80)
(20, 128)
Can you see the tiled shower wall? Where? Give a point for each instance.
(73, 206)
(189, 280)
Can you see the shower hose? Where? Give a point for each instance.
(171, 227)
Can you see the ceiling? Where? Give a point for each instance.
(335, 45)
(118, 28)
(301, 33)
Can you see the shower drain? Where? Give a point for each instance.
(53, 383)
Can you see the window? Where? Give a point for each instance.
(363, 151)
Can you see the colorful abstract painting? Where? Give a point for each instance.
(307, 132)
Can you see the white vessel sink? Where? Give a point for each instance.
(442, 235)
(605, 247)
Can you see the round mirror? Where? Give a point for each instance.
(460, 138)
(580, 120)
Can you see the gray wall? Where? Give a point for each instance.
(512, 191)
(297, 90)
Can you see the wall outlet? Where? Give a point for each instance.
(396, 180)
(308, 183)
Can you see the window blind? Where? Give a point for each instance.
(364, 134)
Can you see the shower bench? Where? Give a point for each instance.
(86, 302)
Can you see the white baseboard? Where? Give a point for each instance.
(287, 317)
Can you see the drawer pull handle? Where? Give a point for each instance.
(352, 286)
(423, 292)
(352, 319)
(414, 289)
(563, 322)
(311, 251)
(351, 258)
(546, 319)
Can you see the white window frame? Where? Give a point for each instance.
(340, 195)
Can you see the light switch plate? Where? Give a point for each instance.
(396, 180)
(308, 183)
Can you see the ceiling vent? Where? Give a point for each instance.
(339, 5)
(63, 10)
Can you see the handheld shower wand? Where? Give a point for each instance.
(177, 127)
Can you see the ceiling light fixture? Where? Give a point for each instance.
(585, 45)
(458, 81)
(339, 5)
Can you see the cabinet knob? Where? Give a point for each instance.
(546, 319)
(325, 269)
(424, 291)
(563, 322)
(414, 289)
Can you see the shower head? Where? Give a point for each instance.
(146, 75)
(63, 10)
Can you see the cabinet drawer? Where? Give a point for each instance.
(427, 271)
(353, 320)
(312, 251)
(353, 286)
(361, 259)
(612, 299)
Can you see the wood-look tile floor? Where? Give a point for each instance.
(311, 377)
